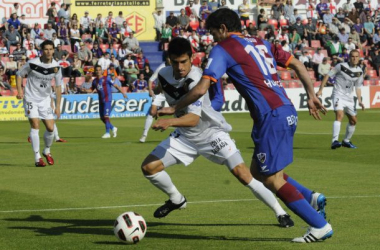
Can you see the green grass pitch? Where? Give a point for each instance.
(73, 204)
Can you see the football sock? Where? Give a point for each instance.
(266, 196)
(148, 123)
(48, 138)
(350, 129)
(295, 201)
(35, 138)
(108, 124)
(162, 181)
(307, 193)
(56, 135)
(336, 130)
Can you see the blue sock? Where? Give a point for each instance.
(108, 124)
(294, 200)
(307, 193)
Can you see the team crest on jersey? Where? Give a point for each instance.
(55, 70)
(262, 157)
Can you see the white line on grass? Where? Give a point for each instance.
(149, 205)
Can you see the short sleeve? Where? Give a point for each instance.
(58, 77)
(24, 70)
(334, 71)
(216, 65)
(195, 107)
(282, 57)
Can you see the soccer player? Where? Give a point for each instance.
(348, 75)
(251, 65)
(200, 131)
(103, 85)
(40, 72)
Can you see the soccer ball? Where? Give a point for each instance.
(130, 227)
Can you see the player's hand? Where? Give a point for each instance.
(151, 94)
(319, 93)
(20, 95)
(315, 106)
(361, 105)
(165, 111)
(161, 124)
(57, 113)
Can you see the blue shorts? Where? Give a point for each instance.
(273, 138)
(105, 109)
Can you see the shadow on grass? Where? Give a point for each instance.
(97, 227)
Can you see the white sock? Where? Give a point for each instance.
(350, 129)
(35, 139)
(163, 182)
(48, 138)
(56, 136)
(148, 124)
(336, 130)
(266, 196)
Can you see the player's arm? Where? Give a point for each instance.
(358, 89)
(188, 120)
(323, 84)
(20, 77)
(313, 102)
(120, 90)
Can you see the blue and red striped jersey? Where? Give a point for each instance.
(103, 86)
(251, 65)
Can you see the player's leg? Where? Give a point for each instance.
(35, 141)
(107, 113)
(350, 129)
(48, 139)
(339, 114)
(148, 122)
(56, 134)
(221, 149)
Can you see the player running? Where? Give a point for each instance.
(251, 65)
(40, 73)
(348, 75)
(103, 85)
(200, 131)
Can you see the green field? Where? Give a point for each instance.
(73, 204)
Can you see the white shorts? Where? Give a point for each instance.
(345, 103)
(159, 100)
(41, 110)
(219, 149)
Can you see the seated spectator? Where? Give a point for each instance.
(204, 11)
(349, 45)
(176, 30)
(123, 52)
(11, 37)
(334, 60)
(369, 29)
(323, 68)
(104, 61)
(112, 34)
(194, 41)
(111, 70)
(125, 30)
(334, 46)
(13, 21)
(128, 60)
(77, 70)
(112, 51)
(3, 77)
(27, 41)
(65, 66)
(141, 61)
(85, 22)
(11, 67)
(18, 52)
(49, 32)
(343, 57)
(299, 27)
(74, 37)
(207, 41)
(340, 15)
(262, 20)
(58, 53)
(119, 20)
(295, 41)
(364, 68)
(86, 87)
(159, 23)
(201, 30)
(140, 85)
(63, 34)
(98, 51)
(171, 19)
(32, 52)
(305, 58)
(55, 40)
(109, 20)
(116, 81)
(184, 21)
(74, 22)
(101, 35)
(132, 43)
(282, 35)
(95, 59)
(317, 59)
(182, 34)
(375, 60)
(24, 23)
(72, 88)
(116, 64)
(285, 46)
(343, 36)
(130, 74)
(21, 63)
(84, 54)
(147, 71)
(376, 37)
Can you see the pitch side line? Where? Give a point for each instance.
(149, 205)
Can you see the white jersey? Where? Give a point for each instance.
(155, 74)
(210, 121)
(39, 82)
(346, 78)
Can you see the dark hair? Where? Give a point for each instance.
(224, 16)
(179, 46)
(47, 42)
(98, 66)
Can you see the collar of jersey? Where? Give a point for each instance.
(235, 33)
